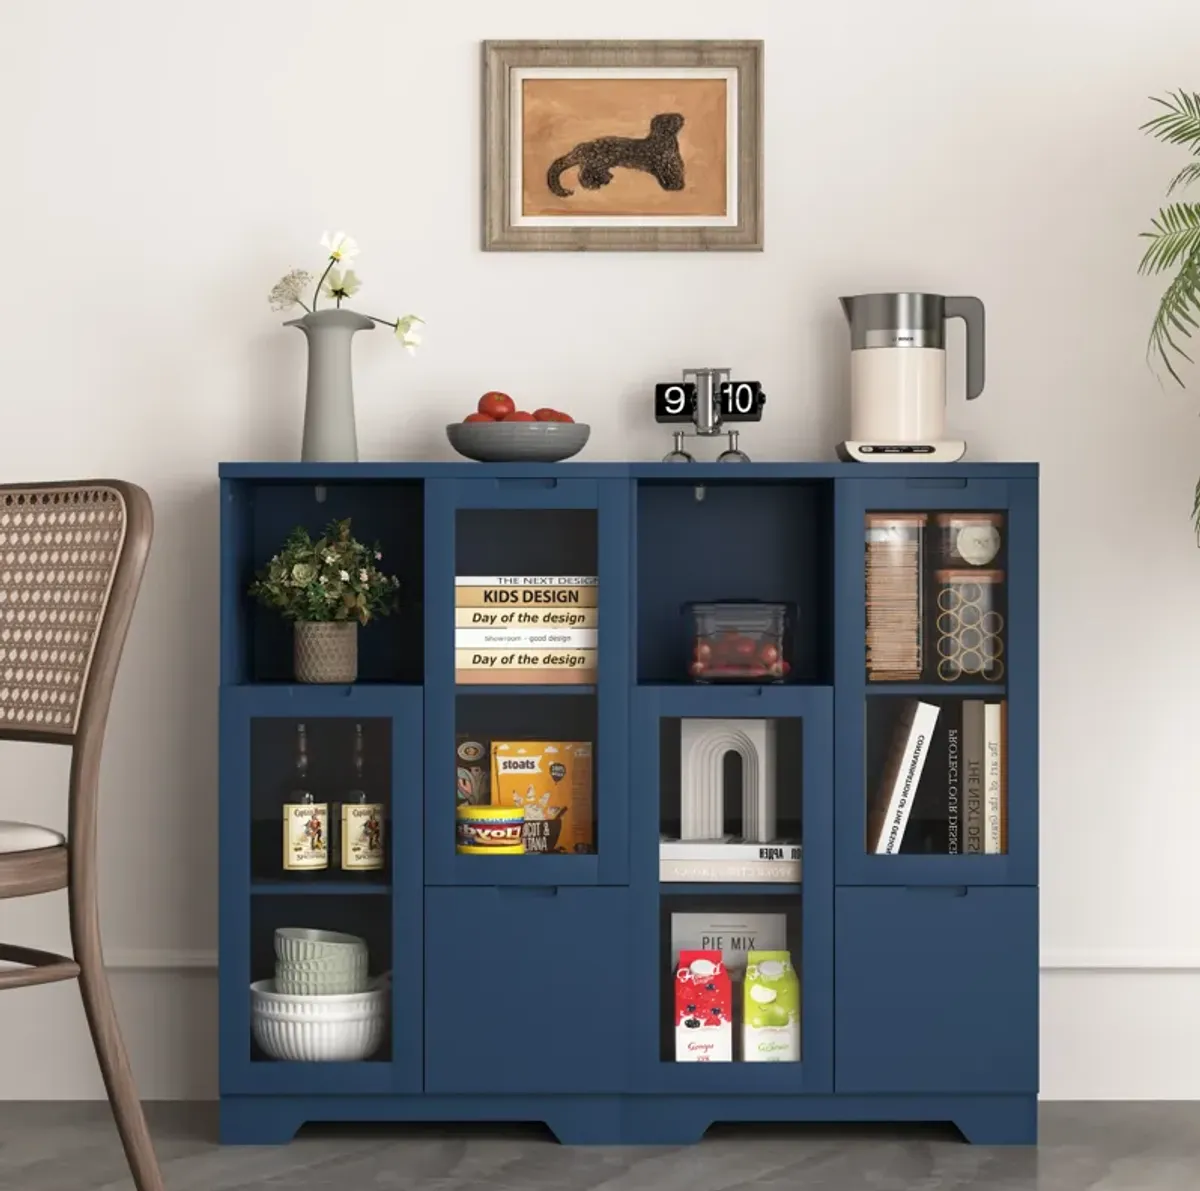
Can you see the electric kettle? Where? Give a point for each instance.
(898, 375)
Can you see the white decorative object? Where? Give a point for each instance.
(703, 745)
(297, 1028)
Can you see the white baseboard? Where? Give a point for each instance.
(1059, 959)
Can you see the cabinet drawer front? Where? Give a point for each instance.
(936, 990)
(526, 492)
(526, 989)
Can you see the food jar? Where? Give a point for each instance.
(738, 642)
(969, 625)
(969, 539)
(489, 830)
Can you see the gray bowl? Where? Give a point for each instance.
(517, 442)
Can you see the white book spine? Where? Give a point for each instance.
(535, 638)
(525, 580)
(904, 789)
(763, 871)
(709, 850)
(993, 761)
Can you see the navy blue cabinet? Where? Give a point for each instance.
(527, 989)
(937, 990)
(543, 987)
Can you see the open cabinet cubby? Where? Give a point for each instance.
(768, 735)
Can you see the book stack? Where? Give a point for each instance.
(943, 787)
(728, 859)
(893, 578)
(525, 629)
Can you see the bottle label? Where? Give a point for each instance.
(305, 835)
(362, 835)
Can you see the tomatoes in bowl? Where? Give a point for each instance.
(519, 415)
(546, 414)
(496, 405)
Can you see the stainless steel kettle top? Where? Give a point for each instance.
(917, 321)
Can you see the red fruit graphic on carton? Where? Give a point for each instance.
(703, 1008)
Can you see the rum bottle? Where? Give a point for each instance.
(361, 822)
(305, 821)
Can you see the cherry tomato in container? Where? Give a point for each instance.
(703, 651)
(745, 648)
(738, 641)
(769, 653)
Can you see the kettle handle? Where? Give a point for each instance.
(970, 310)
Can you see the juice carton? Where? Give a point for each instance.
(771, 1012)
(703, 1009)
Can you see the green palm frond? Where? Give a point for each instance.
(1174, 238)
(1179, 122)
(1177, 318)
(1185, 177)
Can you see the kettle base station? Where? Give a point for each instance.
(897, 452)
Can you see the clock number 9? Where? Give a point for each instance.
(675, 400)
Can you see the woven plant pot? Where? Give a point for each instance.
(326, 651)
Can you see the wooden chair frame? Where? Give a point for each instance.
(73, 865)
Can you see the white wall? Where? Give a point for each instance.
(162, 164)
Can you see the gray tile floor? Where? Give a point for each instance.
(1085, 1147)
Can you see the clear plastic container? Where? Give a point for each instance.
(739, 642)
(970, 539)
(969, 626)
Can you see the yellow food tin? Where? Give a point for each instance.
(489, 830)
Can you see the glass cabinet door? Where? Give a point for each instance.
(321, 888)
(527, 673)
(936, 683)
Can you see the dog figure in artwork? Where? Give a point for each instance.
(656, 153)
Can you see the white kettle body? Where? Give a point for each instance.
(898, 374)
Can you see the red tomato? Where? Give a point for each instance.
(769, 653)
(518, 415)
(744, 647)
(496, 405)
(696, 669)
(546, 414)
(785, 667)
(564, 417)
(479, 418)
(703, 651)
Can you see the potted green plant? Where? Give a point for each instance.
(1175, 243)
(327, 586)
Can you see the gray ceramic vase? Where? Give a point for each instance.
(329, 434)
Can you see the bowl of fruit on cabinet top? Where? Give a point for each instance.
(498, 432)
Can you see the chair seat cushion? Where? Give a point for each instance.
(27, 837)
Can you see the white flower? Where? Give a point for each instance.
(341, 247)
(324, 579)
(378, 554)
(409, 338)
(288, 290)
(341, 285)
(345, 576)
(330, 557)
(362, 575)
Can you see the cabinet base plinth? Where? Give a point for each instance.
(632, 1119)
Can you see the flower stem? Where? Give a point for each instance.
(382, 321)
(321, 282)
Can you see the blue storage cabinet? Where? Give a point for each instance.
(530, 988)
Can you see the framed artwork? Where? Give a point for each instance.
(622, 145)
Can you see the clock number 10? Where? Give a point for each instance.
(738, 397)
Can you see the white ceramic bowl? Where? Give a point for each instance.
(301, 944)
(347, 1041)
(267, 1001)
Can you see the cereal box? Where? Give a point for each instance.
(551, 780)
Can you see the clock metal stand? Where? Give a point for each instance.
(708, 398)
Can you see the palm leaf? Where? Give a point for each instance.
(1175, 237)
(1185, 177)
(1177, 318)
(1179, 122)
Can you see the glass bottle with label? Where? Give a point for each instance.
(361, 822)
(305, 821)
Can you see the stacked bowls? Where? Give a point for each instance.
(322, 1006)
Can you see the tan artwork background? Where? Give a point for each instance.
(559, 113)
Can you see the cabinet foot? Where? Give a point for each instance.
(999, 1121)
(245, 1121)
(666, 1124)
(592, 1123)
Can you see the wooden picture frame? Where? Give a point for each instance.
(680, 186)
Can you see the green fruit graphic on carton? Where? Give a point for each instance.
(771, 1017)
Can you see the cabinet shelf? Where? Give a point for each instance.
(331, 888)
(731, 888)
(525, 690)
(944, 690)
